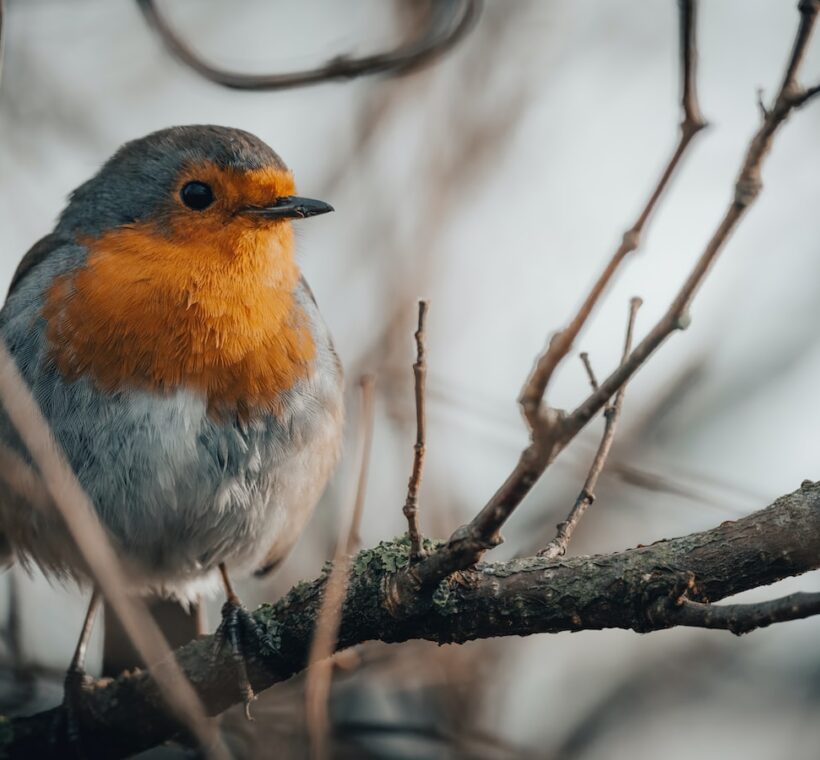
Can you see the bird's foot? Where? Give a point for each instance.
(66, 728)
(239, 631)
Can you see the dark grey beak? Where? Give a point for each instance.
(290, 207)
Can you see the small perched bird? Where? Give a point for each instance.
(182, 363)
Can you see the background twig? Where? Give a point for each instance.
(448, 22)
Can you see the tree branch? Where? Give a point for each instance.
(552, 429)
(519, 597)
(448, 22)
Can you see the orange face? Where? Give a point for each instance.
(194, 299)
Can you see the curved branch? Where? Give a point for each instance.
(520, 597)
(448, 22)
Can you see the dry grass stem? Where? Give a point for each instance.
(80, 518)
(320, 663)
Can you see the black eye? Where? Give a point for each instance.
(197, 195)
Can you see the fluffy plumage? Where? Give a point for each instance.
(203, 424)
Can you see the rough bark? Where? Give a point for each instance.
(524, 596)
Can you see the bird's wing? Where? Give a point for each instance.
(36, 255)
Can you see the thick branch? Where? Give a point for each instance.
(519, 597)
(448, 22)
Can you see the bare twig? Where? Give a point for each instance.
(747, 189)
(77, 512)
(412, 502)
(449, 21)
(737, 618)
(548, 427)
(532, 395)
(558, 546)
(807, 95)
(320, 662)
(593, 381)
(552, 430)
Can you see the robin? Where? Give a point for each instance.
(183, 366)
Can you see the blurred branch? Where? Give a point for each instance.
(411, 505)
(61, 491)
(519, 597)
(558, 546)
(448, 22)
(320, 662)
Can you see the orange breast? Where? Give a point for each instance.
(161, 312)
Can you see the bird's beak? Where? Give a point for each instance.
(289, 207)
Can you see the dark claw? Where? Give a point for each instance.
(66, 728)
(237, 630)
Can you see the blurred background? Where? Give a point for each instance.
(496, 182)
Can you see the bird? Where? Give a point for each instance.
(184, 368)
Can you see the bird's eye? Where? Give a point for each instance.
(197, 195)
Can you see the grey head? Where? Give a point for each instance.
(138, 180)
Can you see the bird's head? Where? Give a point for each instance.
(211, 194)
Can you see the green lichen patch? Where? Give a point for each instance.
(387, 556)
(390, 556)
(445, 600)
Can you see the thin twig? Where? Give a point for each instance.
(80, 518)
(558, 546)
(532, 394)
(593, 381)
(737, 618)
(320, 662)
(411, 505)
(449, 21)
(551, 429)
(747, 189)
(547, 425)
